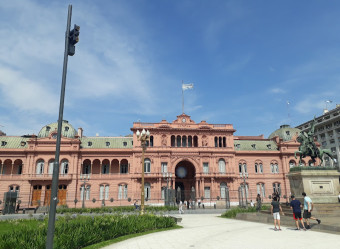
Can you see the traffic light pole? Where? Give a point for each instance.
(55, 178)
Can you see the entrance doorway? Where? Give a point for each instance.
(185, 181)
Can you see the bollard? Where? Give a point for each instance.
(203, 206)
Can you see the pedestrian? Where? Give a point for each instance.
(17, 209)
(275, 211)
(296, 205)
(180, 208)
(277, 196)
(258, 202)
(188, 204)
(136, 205)
(307, 210)
(199, 203)
(251, 203)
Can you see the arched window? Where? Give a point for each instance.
(50, 167)
(104, 192)
(105, 168)
(220, 142)
(147, 165)
(147, 191)
(184, 141)
(277, 188)
(242, 168)
(195, 141)
(173, 141)
(163, 190)
(189, 141)
(258, 168)
(178, 141)
(221, 165)
(87, 192)
(64, 167)
(216, 142)
(274, 168)
(151, 141)
(292, 163)
(260, 189)
(224, 142)
(40, 167)
(223, 188)
(86, 169)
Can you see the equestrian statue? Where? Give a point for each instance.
(308, 147)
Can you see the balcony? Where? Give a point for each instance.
(47, 176)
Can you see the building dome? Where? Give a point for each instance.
(67, 130)
(285, 132)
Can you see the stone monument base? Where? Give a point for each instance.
(322, 186)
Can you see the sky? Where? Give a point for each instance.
(254, 64)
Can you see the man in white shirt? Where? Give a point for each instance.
(307, 210)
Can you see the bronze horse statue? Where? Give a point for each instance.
(308, 148)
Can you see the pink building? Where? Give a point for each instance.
(200, 159)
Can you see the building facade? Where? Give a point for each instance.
(200, 160)
(327, 133)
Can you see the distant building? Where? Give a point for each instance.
(327, 132)
(200, 160)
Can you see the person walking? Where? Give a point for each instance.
(258, 203)
(180, 208)
(275, 211)
(295, 205)
(307, 210)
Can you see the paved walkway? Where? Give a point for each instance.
(204, 231)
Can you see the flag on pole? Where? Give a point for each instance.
(187, 86)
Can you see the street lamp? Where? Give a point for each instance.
(167, 176)
(84, 179)
(244, 176)
(143, 137)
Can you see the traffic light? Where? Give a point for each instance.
(73, 38)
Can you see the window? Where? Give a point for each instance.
(260, 189)
(253, 146)
(87, 192)
(147, 191)
(184, 141)
(242, 168)
(89, 143)
(147, 165)
(324, 143)
(291, 163)
(163, 190)
(221, 165)
(322, 136)
(64, 167)
(124, 144)
(104, 192)
(105, 169)
(164, 167)
(3, 143)
(107, 144)
(223, 189)
(277, 188)
(122, 191)
(206, 168)
(288, 133)
(216, 143)
(67, 128)
(274, 168)
(50, 167)
(40, 167)
(207, 192)
(242, 189)
(86, 169)
(20, 169)
(333, 149)
(269, 146)
(124, 168)
(258, 168)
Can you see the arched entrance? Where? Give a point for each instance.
(185, 181)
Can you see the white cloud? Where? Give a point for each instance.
(277, 90)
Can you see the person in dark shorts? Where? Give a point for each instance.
(307, 210)
(295, 205)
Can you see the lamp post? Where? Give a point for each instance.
(167, 176)
(244, 176)
(84, 179)
(143, 137)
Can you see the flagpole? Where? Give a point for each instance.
(182, 99)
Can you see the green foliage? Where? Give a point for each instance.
(302, 168)
(81, 231)
(234, 211)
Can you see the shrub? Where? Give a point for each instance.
(234, 211)
(82, 231)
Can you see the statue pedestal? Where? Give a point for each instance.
(322, 186)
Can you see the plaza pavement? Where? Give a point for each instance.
(205, 231)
